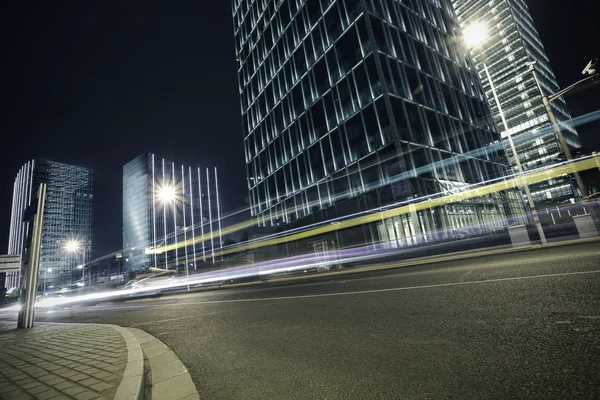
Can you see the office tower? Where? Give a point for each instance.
(510, 41)
(371, 101)
(67, 225)
(164, 206)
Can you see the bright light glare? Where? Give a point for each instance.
(474, 34)
(72, 246)
(49, 269)
(166, 194)
(80, 267)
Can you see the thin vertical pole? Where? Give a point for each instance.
(212, 248)
(201, 215)
(174, 214)
(536, 219)
(219, 213)
(185, 243)
(192, 216)
(153, 199)
(165, 217)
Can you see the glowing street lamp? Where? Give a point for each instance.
(166, 194)
(72, 246)
(474, 35)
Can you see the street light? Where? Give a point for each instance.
(74, 246)
(167, 194)
(588, 70)
(474, 35)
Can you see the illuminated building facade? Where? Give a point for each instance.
(164, 205)
(365, 103)
(511, 41)
(68, 216)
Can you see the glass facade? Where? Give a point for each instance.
(511, 42)
(165, 206)
(68, 216)
(348, 99)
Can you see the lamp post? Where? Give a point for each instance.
(474, 35)
(591, 71)
(74, 246)
(167, 194)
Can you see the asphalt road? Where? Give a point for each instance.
(517, 325)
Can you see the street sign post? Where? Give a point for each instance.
(32, 260)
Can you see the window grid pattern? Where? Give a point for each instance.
(339, 97)
(68, 215)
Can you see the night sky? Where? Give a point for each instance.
(96, 83)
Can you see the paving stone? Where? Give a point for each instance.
(78, 377)
(49, 378)
(48, 394)
(69, 373)
(47, 360)
(64, 385)
(87, 395)
(74, 390)
(101, 386)
(38, 389)
(103, 375)
(17, 395)
(89, 382)
(31, 384)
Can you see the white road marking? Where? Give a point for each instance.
(439, 285)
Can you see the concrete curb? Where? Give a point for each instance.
(168, 378)
(132, 384)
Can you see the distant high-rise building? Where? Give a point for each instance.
(165, 205)
(510, 42)
(363, 103)
(68, 215)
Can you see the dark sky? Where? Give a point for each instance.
(96, 83)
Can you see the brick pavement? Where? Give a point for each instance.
(62, 361)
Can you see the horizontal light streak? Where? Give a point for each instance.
(528, 177)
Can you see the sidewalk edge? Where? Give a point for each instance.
(168, 378)
(132, 384)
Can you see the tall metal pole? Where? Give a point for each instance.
(29, 288)
(555, 126)
(187, 273)
(174, 203)
(536, 219)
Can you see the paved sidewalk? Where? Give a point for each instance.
(62, 361)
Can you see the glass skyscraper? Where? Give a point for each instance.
(165, 205)
(366, 103)
(511, 42)
(68, 216)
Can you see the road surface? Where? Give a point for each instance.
(517, 325)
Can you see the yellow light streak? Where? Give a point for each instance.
(528, 177)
